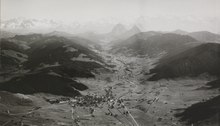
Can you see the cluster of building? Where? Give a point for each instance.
(107, 102)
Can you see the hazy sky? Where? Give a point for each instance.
(168, 12)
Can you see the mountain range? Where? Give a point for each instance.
(47, 59)
(118, 32)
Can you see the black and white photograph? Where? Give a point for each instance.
(109, 62)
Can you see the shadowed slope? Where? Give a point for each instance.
(193, 62)
(214, 84)
(45, 83)
(201, 111)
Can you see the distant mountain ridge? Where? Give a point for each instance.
(23, 25)
(118, 29)
(153, 43)
(205, 36)
(180, 32)
(6, 34)
(118, 32)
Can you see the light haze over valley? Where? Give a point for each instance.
(109, 62)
